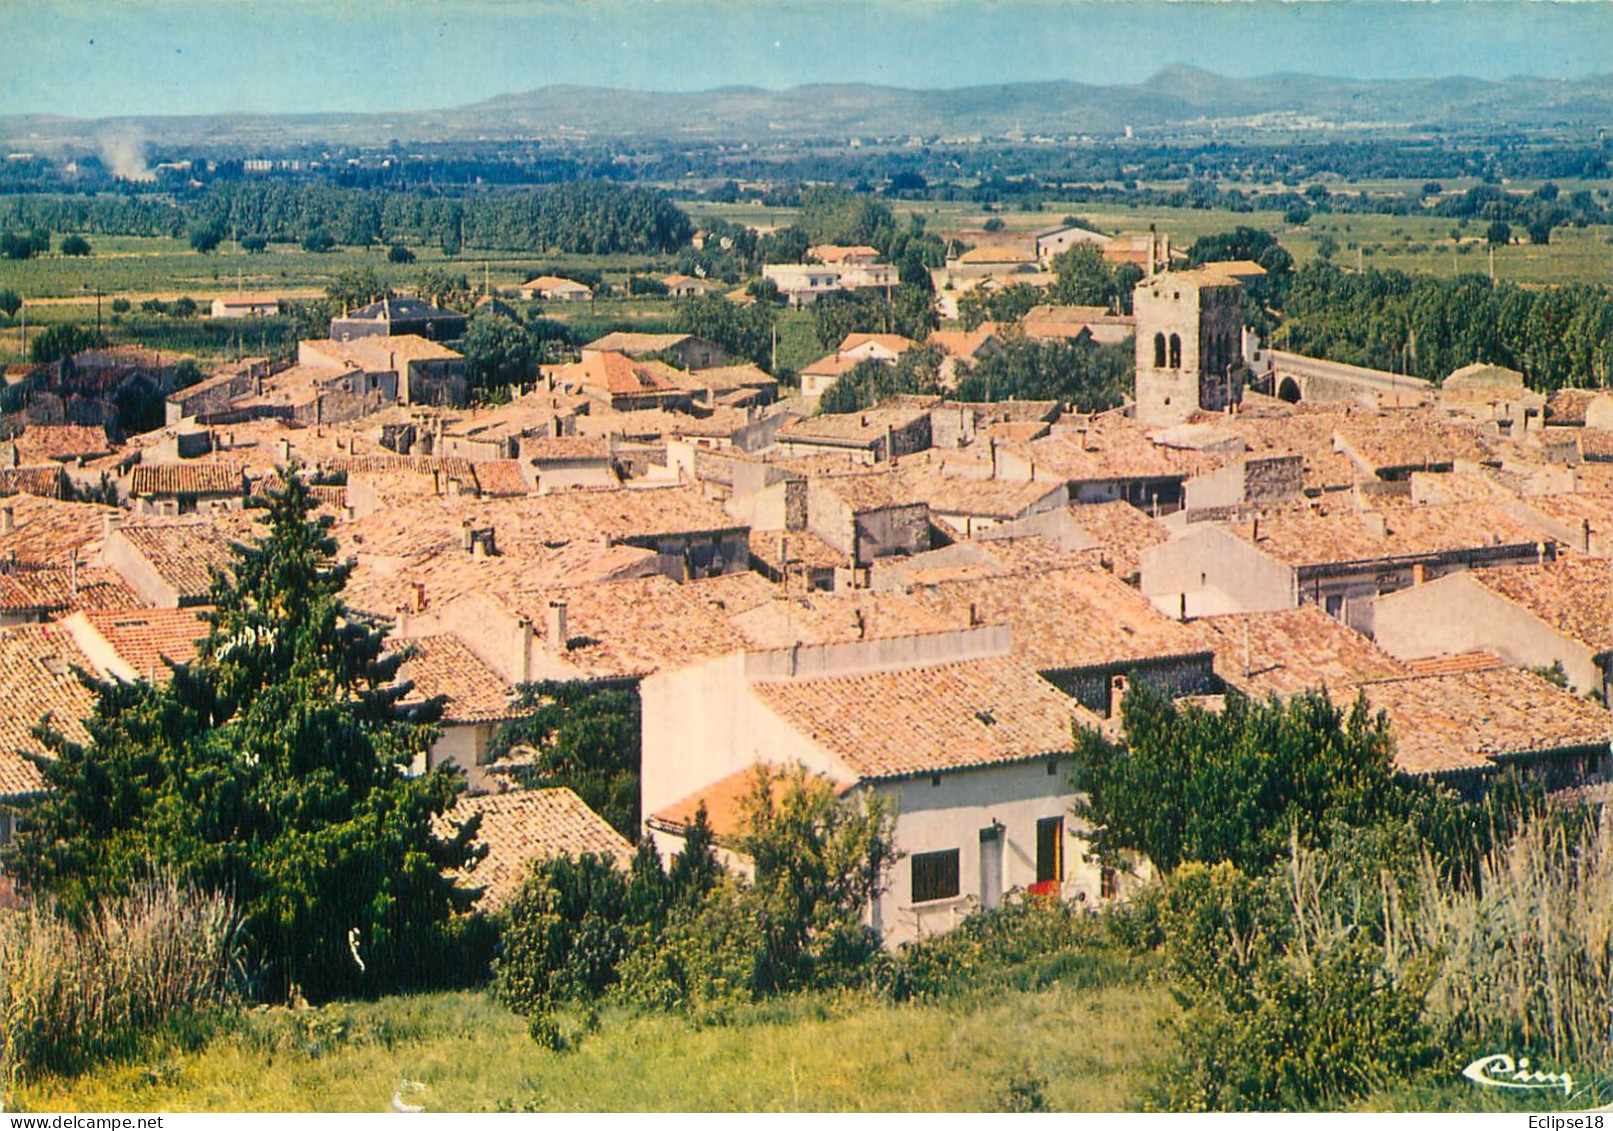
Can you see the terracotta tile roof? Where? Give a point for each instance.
(805, 549)
(378, 351)
(1067, 618)
(382, 583)
(964, 495)
(53, 591)
(892, 724)
(640, 512)
(181, 553)
(40, 442)
(633, 344)
(1105, 449)
(840, 253)
(48, 530)
(1293, 650)
(832, 365)
(734, 593)
(1301, 536)
(965, 344)
(869, 491)
(441, 665)
(145, 638)
(849, 429)
(48, 481)
(621, 376)
(1574, 596)
(632, 628)
(449, 467)
(554, 449)
(38, 661)
(501, 477)
(1400, 440)
(1034, 555)
(1122, 532)
(1450, 665)
(828, 618)
(896, 343)
(726, 801)
(167, 479)
(1567, 406)
(525, 826)
(1464, 720)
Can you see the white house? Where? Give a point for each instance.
(968, 746)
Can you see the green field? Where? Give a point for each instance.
(1083, 1049)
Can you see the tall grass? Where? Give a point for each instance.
(1526, 953)
(161, 957)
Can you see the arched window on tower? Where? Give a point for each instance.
(1159, 351)
(1176, 351)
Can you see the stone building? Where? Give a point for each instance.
(1189, 344)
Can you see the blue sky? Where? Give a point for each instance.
(107, 57)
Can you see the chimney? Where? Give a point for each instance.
(1376, 523)
(862, 625)
(1181, 612)
(992, 445)
(403, 620)
(419, 596)
(1153, 250)
(523, 650)
(1419, 573)
(467, 538)
(1254, 529)
(784, 562)
(559, 635)
(8, 518)
(1585, 535)
(285, 450)
(72, 573)
(974, 615)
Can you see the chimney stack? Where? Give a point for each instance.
(1585, 535)
(8, 518)
(285, 450)
(72, 573)
(559, 634)
(523, 650)
(467, 538)
(419, 596)
(1153, 250)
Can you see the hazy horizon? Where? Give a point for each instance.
(95, 58)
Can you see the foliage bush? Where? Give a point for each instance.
(74, 989)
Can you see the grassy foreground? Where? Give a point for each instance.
(1080, 1049)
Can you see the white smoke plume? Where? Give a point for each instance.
(124, 152)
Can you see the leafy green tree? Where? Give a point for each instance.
(254, 244)
(1083, 373)
(742, 331)
(183, 307)
(64, 339)
(869, 382)
(273, 768)
(319, 241)
(1498, 233)
(499, 351)
(16, 246)
(10, 302)
(399, 253)
(446, 290)
(355, 288)
(819, 862)
(1190, 784)
(206, 237)
(76, 245)
(583, 737)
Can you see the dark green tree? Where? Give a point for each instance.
(355, 288)
(10, 302)
(206, 237)
(75, 245)
(584, 737)
(500, 351)
(274, 768)
(1190, 784)
(64, 339)
(744, 332)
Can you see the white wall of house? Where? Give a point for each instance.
(464, 745)
(118, 553)
(1457, 614)
(1217, 571)
(949, 811)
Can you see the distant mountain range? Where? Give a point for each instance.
(1176, 100)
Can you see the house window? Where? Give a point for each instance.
(1176, 351)
(935, 875)
(1108, 883)
(1334, 605)
(1050, 849)
(1159, 351)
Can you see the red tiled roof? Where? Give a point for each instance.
(523, 827)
